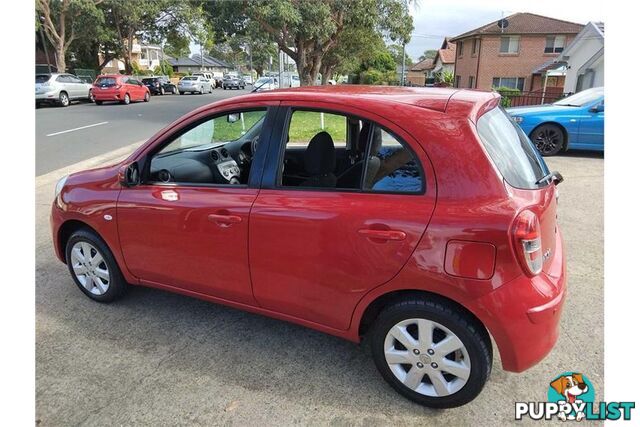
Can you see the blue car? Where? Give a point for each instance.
(575, 122)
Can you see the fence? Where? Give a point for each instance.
(518, 99)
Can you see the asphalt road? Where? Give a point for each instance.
(156, 358)
(106, 127)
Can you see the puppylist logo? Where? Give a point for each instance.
(572, 397)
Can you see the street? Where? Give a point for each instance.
(156, 358)
(83, 130)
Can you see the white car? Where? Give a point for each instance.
(248, 79)
(266, 83)
(194, 84)
(61, 89)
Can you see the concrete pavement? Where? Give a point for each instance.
(156, 358)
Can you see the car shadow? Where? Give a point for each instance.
(585, 154)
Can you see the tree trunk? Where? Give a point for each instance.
(128, 69)
(308, 67)
(61, 64)
(259, 69)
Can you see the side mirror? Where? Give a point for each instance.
(597, 108)
(232, 118)
(130, 175)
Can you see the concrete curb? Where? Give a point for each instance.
(111, 157)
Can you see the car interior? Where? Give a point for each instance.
(349, 153)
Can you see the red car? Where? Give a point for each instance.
(421, 219)
(119, 88)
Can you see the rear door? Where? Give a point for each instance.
(316, 248)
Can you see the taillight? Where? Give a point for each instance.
(528, 242)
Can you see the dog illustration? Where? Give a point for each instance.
(570, 386)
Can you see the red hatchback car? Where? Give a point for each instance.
(119, 88)
(421, 220)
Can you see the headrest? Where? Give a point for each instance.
(320, 156)
(376, 141)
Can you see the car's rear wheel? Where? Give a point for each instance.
(63, 99)
(431, 353)
(161, 90)
(181, 93)
(93, 267)
(548, 138)
(98, 102)
(147, 97)
(127, 99)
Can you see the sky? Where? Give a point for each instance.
(433, 20)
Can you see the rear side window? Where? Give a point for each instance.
(511, 150)
(106, 81)
(42, 78)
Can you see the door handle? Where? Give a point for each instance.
(382, 234)
(224, 220)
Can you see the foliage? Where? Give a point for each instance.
(397, 52)
(506, 94)
(382, 61)
(176, 43)
(429, 53)
(164, 69)
(446, 78)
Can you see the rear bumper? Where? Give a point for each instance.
(524, 314)
(110, 96)
(48, 96)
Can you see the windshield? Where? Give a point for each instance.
(42, 78)
(511, 150)
(582, 98)
(189, 78)
(106, 81)
(148, 80)
(264, 80)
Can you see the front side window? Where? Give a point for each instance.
(509, 44)
(554, 44)
(216, 151)
(333, 151)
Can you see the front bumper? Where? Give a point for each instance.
(524, 314)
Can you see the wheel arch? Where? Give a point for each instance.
(67, 229)
(565, 134)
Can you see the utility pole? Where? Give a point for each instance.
(250, 60)
(44, 44)
(201, 58)
(404, 56)
(279, 68)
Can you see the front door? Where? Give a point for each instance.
(186, 226)
(592, 127)
(324, 232)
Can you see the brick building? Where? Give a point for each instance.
(490, 56)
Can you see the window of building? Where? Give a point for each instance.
(460, 48)
(471, 82)
(457, 82)
(509, 82)
(475, 46)
(555, 44)
(509, 44)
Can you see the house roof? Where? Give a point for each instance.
(182, 61)
(447, 53)
(211, 61)
(525, 23)
(427, 64)
(593, 30)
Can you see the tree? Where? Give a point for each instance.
(177, 43)
(355, 46)
(64, 22)
(397, 51)
(308, 30)
(429, 53)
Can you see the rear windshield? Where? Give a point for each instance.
(42, 78)
(148, 80)
(189, 78)
(511, 150)
(106, 81)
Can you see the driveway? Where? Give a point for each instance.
(156, 358)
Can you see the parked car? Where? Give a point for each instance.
(159, 85)
(265, 83)
(423, 221)
(233, 82)
(248, 79)
(575, 122)
(211, 78)
(194, 84)
(61, 89)
(119, 88)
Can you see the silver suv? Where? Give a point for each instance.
(61, 89)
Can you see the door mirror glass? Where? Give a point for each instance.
(131, 175)
(599, 108)
(232, 118)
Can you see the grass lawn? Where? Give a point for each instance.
(305, 124)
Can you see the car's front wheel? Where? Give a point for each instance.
(431, 352)
(548, 139)
(127, 99)
(63, 99)
(147, 97)
(93, 267)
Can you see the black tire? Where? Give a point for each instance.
(98, 102)
(161, 91)
(181, 93)
(127, 99)
(117, 284)
(548, 138)
(173, 90)
(468, 330)
(63, 99)
(91, 97)
(224, 88)
(147, 97)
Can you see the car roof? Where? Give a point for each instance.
(462, 102)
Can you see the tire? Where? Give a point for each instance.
(161, 90)
(173, 90)
(147, 97)
(201, 92)
(548, 138)
(93, 283)
(473, 356)
(98, 102)
(63, 99)
(127, 99)
(224, 88)
(181, 93)
(91, 97)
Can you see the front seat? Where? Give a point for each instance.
(320, 162)
(351, 177)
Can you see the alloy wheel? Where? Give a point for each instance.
(548, 140)
(64, 99)
(90, 268)
(427, 357)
